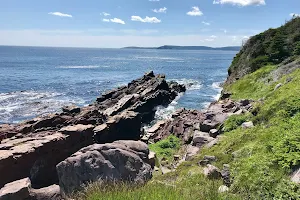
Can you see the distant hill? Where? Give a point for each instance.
(173, 47)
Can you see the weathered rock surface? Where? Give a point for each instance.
(48, 193)
(226, 175)
(34, 148)
(21, 190)
(118, 161)
(212, 172)
(17, 190)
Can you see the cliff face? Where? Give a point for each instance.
(270, 47)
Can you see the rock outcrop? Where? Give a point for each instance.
(197, 128)
(117, 161)
(34, 148)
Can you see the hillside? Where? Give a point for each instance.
(270, 47)
(173, 47)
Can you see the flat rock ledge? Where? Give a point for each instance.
(34, 148)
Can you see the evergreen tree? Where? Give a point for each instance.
(278, 48)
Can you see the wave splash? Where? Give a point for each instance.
(190, 84)
(21, 105)
(218, 87)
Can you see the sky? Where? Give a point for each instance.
(145, 23)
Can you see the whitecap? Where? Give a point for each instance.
(21, 105)
(81, 67)
(190, 84)
(166, 112)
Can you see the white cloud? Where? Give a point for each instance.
(114, 20)
(161, 10)
(195, 11)
(213, 36)
(60, 14)
(117, 20)
(105, 14)
(205, 23)
(241, 2)
(294, 15)
(145, 20)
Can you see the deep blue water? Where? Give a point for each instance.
(39, 80)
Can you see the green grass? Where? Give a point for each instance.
(166, 148)
(253, 86)
(261, 158)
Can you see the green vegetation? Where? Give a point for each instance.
(270, 47)
(166, 148)
(253, 86)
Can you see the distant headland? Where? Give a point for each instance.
(173, 47)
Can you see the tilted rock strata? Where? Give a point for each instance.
(34, 148)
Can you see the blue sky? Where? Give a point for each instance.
(119, 23)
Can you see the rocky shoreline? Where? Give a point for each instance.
(100, 141)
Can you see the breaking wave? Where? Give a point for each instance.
(21, 105)
(190, 84)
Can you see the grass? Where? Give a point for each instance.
(167, 148)
(253, 86)
(261, 158)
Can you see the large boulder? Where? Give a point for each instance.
(118, 161)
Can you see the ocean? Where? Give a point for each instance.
(40, 80)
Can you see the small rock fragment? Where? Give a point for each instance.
(212, 172)
(247, 125)
(223, 188)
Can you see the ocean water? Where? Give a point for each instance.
(40, 80)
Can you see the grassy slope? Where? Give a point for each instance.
(261, 158)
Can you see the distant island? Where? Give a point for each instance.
(229, 48)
